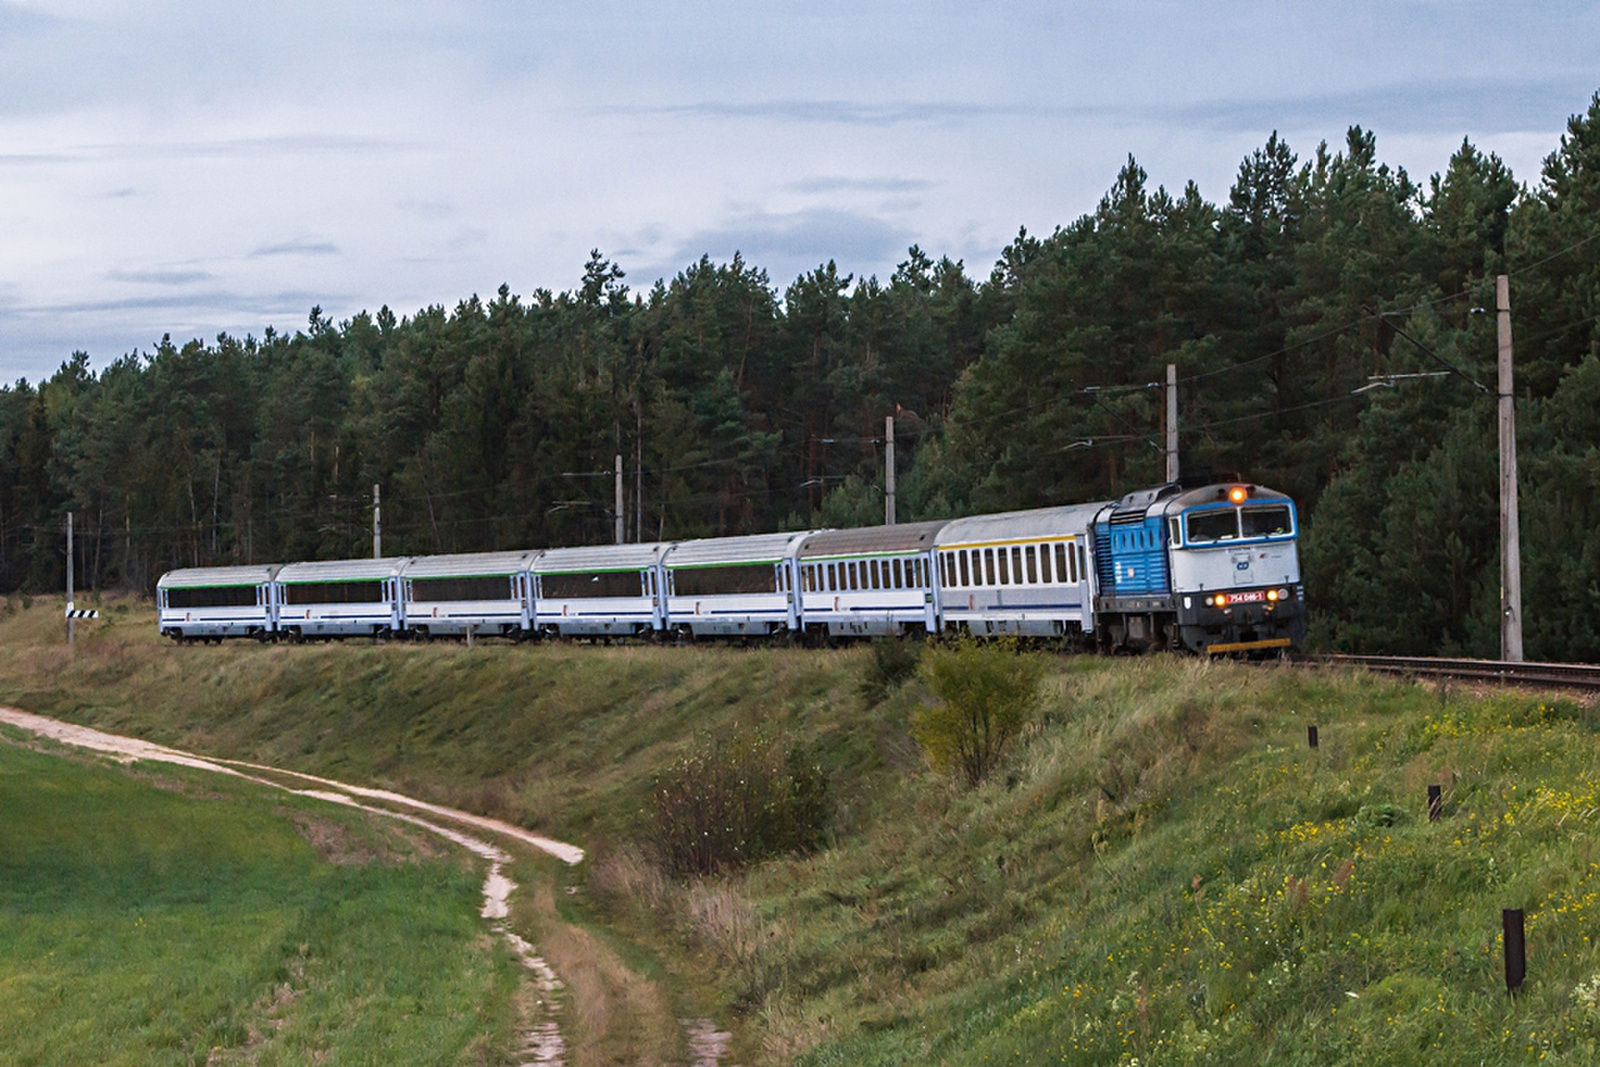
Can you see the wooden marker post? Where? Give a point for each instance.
(1516, 949)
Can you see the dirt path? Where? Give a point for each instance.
(541, 1041)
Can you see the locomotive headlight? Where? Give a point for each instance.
(1220, 600)
(1237, 494)
(1272, 594)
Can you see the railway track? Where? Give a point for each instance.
(1580, 676)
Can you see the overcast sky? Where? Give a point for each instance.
(187, 168)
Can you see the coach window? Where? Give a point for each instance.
(1005, 569)
(1033, 565)
(966, 573)
(1083, 564)
(898, 568)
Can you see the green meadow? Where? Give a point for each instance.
(161, 916)
(1163, 872)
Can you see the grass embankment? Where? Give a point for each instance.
(1163, 871)
(170, 917)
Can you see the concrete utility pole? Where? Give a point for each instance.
(622, 529)
(888, 470)
(377, 525)
(1510, 543)
(71, 622)
(1172, 422)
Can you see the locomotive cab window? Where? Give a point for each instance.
(1205, 527)
(1269, 521)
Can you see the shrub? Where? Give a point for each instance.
(738, 800)
(894, 659)
(986, 694)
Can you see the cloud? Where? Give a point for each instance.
(294, 248)
(788, 244)
(1423, 103)
(1422, 106)
(289, 145)
(159, 277)
(835, 112)
(215, 300)
(836, 184)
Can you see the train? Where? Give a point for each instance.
(1210, 569)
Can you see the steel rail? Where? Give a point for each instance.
(1583, 676)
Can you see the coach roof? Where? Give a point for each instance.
(341, 570)
(756, 548)
(1011, 525)
(599, 558)
(872, 540)
(467, 565)
(194, 577)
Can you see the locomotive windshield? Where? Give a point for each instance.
(1226, 524)
(1269, 521)
(1205, 526)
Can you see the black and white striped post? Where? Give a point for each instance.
(74, 613)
